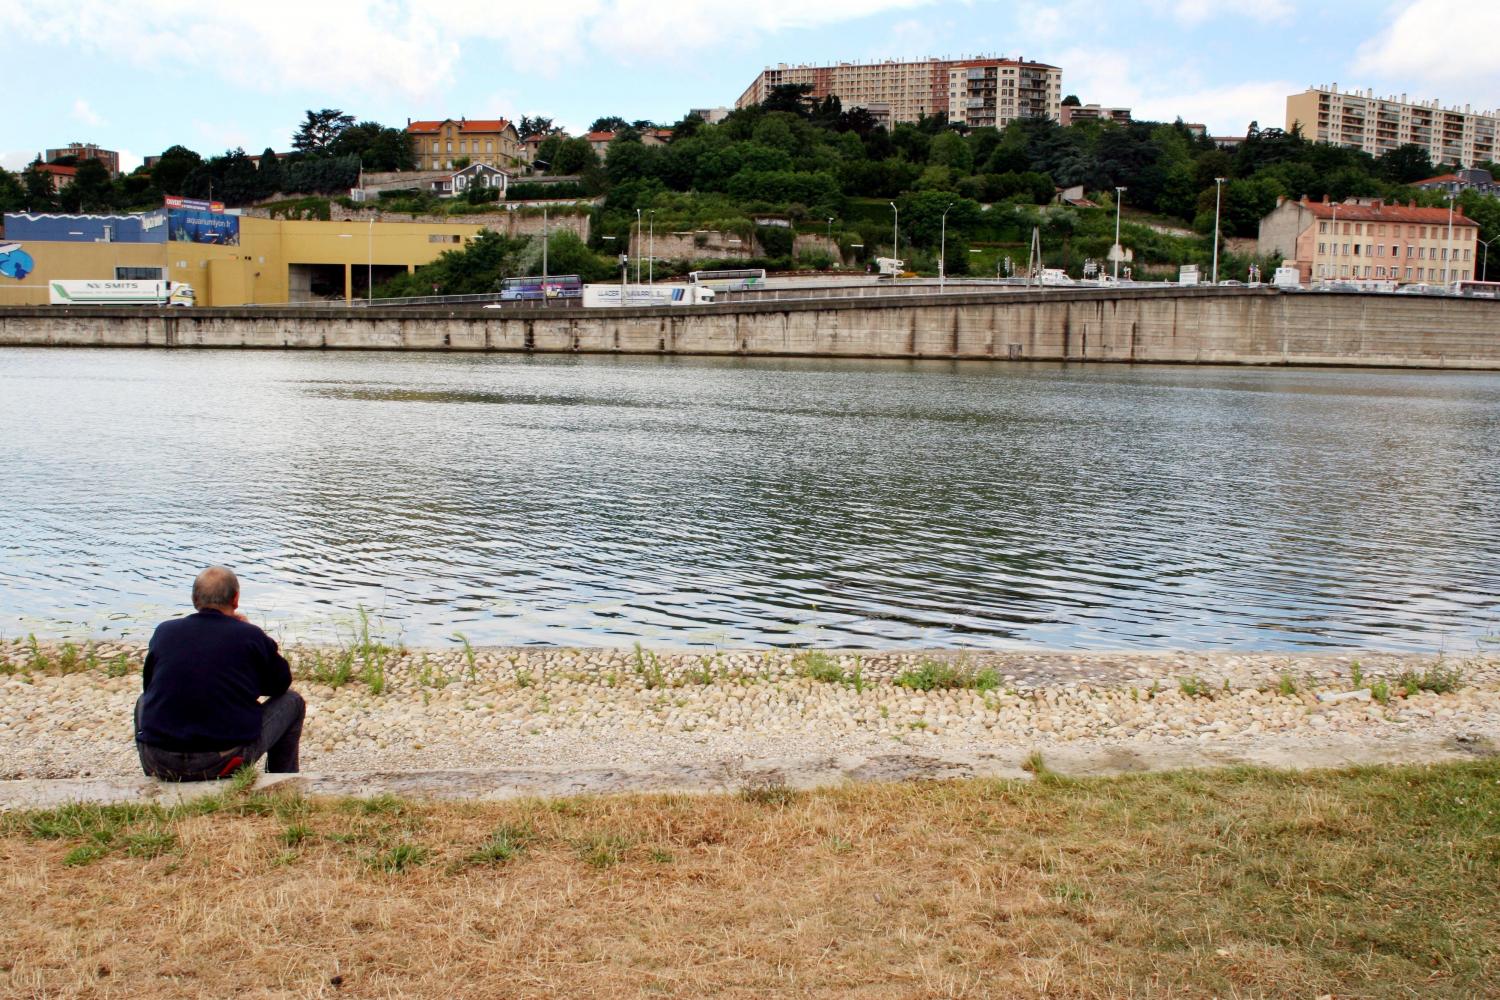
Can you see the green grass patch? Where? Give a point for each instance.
(938, 675)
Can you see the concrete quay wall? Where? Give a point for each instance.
(1195, 326)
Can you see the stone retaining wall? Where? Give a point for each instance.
(1199, 326)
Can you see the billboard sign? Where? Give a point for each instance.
(193, 226)
(196, 204)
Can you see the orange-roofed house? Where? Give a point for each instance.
(439, 145)
(1368, 240)
(59, 175)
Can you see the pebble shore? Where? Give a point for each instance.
(65, 711)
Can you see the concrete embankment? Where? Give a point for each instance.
(1193, 326)
(556, 721)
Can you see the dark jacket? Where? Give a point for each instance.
(203, 678)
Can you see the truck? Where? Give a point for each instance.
(646, 295)
(120, 293)
(1287, 277)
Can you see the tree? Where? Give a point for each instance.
(268, 173)
(12, 193)
(378, 147)
(609, 123)
(1071, 101)
(534, 126)
(319, 129)
(40, 195)
(171, 170)
(571, 156)
(90, 190)
(790, 97)
(1405, 164)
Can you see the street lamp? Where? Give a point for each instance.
(1119, 201)
(637, 246)
(546, 238)
(943, 249)
(1448, 250)
(1218, 199)
(1484, 268)
(370, 263)
(651, 251)
(895, 223)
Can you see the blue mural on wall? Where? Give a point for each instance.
(15, 262)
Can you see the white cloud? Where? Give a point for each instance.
(1192, 13)
(129, 161)
(410, 48)
(1438, 43)
(16, 159)
(1155, 91)
(85, 114)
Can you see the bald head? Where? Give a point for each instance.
(216, 587)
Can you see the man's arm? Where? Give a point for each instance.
(276, 673)
(150, 666)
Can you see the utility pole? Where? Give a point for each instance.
(943, 249)
(1218, 198)
(895, 229)
(651, 252)
(1118, 252)
(637, 246)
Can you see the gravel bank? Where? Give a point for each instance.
(591, 709)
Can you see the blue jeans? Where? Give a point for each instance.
(280, 737)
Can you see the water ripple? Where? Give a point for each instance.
(733, 502)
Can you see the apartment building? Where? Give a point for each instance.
(1360, 120)
(976, 90)
(995, 92)
(86, 151)
(491, 141)
(1369, 240)
(1094, 113)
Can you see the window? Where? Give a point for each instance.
(450, 146)
(1322, 249)
(1356, 249)
(1408, 274)
(1367, 270)
(434, 146)
(140, 274)
(1421, 253)
(1346, 247)
(1380, 272)
(1322, 227)
(1395, 250)
(1380, 249)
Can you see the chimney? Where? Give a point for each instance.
(1304, 199)
(1378, 204)
(1280, 200)
(1412, 203)
(1325, 197)
(408, 123)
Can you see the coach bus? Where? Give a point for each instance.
(556, 286)
(730, 281)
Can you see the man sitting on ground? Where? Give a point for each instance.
(201, 717)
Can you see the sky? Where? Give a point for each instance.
(209, 75)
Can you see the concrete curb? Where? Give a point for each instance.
(498, 784)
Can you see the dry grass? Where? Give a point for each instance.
(1366, 883)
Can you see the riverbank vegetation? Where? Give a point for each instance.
(796, 166)
(1376, 882)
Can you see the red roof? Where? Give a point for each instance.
(1379, 212)
(599, 136)
(464, 125)
(56, 169)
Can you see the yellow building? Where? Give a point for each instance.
(438, 145)
(273, 261)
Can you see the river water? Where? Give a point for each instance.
(605, 501)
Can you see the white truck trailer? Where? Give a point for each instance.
(120, 293)
(646, 295)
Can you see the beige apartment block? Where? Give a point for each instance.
(907, 91)
(1360, 120)
(1369, 240)
(995, 92)
(439, 144)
